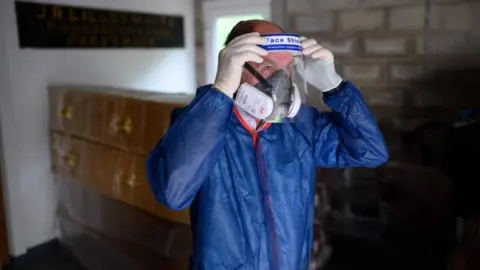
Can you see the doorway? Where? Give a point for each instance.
(4, 251)
(219, 18)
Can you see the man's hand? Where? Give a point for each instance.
(232, 58)
(320, 66)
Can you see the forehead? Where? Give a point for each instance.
(264, 28)
(279, 59)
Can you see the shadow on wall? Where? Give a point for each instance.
(408, 206)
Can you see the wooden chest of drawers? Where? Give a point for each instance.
(100, 138)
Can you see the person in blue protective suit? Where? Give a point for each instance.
(250, 187)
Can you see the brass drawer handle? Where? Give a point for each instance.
(71, 159)
(132, 181)
(126, 125)
(67, 112)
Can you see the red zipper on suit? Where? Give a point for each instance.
(261, 170)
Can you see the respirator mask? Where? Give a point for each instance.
(274, 90)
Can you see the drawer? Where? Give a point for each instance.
(130, 183)
(157, 121)
(105, 162)
(124, 125)
(89, 153)
(142, 196)
(68, 157)
(54, 106)
(72, 107)
(124, 178)
(54, 154)
(96, 116)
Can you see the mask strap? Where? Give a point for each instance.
(258, 76)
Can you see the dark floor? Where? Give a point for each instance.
(349, 254)
(50, 256)
(352, 254)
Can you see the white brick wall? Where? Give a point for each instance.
(386, 46)
(428, 98)
(361, 20)
(300, 6)
(387, 3)
(443, 43)
(455, 16)
(383, 97)
(362, 72)
(335, 4)
(407, 18)
(473, 39)
(340, 46)
(405, 71)
(380, 42)
(321, 22)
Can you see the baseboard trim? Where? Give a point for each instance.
(33, 253)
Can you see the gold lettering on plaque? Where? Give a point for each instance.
(57, 13)
(43, 14)
(72, 16)
(87, 16)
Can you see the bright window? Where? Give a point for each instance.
(224, 25)
(220, 16)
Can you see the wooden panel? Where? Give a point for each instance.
(125, 125)
(157, 121)
(124, 180)
(96, 116)
(175, 216)
(72, 112)
(104, 172)
(4, 250)
(141, 195)
(68, 156)
(103, 138)
(113, 226)
(54, 98)
(54, 155)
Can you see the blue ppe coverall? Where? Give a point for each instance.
(251, 193)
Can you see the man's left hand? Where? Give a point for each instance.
(320, 66)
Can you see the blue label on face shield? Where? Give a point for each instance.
(282, 42)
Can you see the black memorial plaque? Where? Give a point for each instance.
(59, 26)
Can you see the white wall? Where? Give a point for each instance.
(24, 76)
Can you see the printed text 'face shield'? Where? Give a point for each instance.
(274, 90)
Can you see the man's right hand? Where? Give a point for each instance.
(232, 58)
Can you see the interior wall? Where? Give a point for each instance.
(396, 51)
(25, 74)
(411, 59)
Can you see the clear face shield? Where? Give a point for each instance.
(274, 90)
